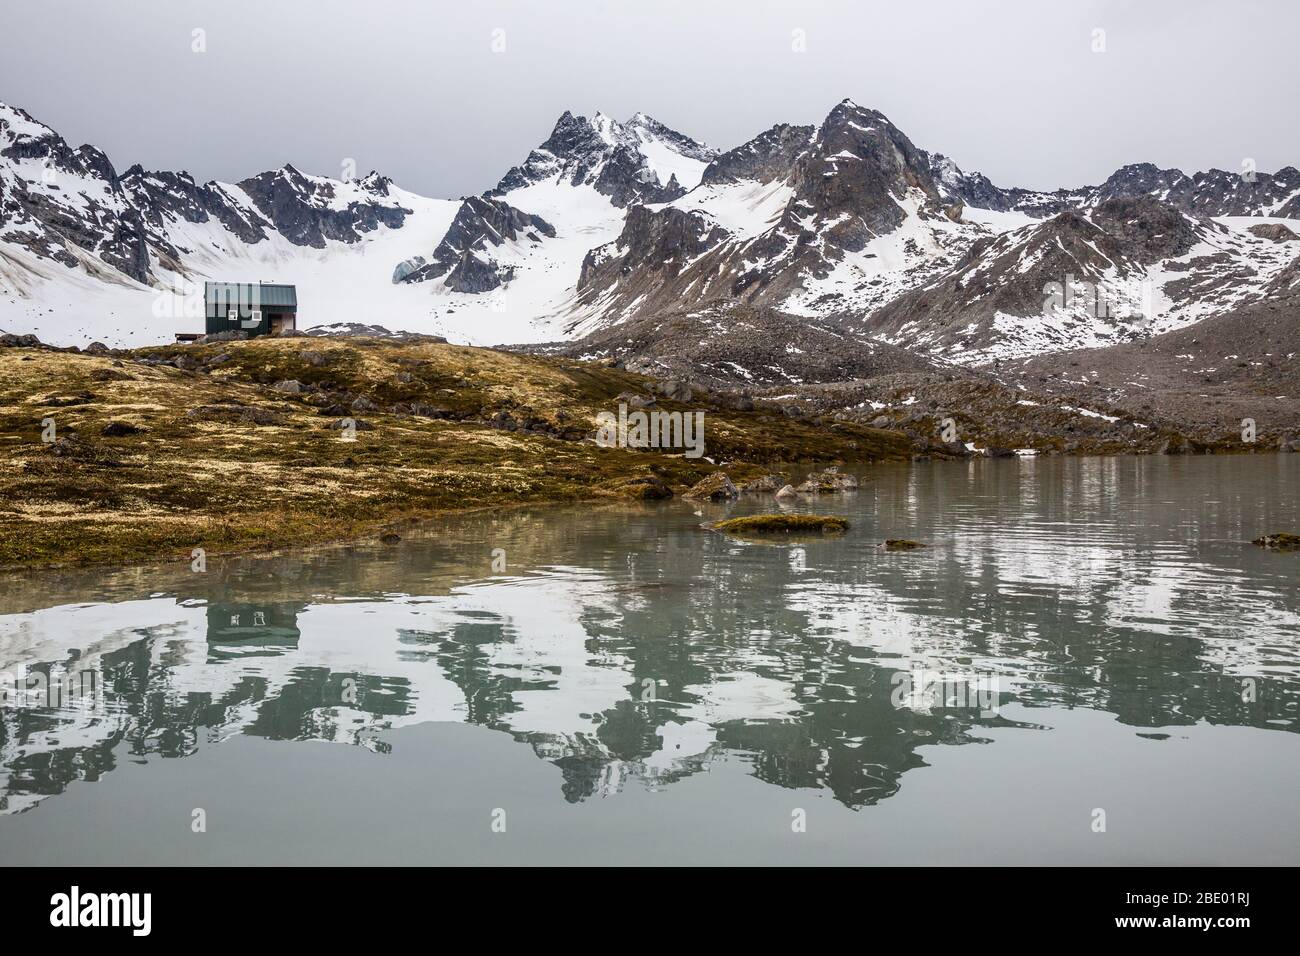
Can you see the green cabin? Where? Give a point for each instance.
(258, 308)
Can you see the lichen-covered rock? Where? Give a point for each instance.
(782, 524)
(716, 487)
(768, 483)
(356, 424)
(828, 481)
(634, 400)
(1282, 541)
(19, 341)
(234, 414)
(645, 488)
(902, 544)
(677, 390)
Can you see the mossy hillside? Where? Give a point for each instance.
(512, 433)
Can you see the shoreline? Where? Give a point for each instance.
(118, 459)
(373, 532)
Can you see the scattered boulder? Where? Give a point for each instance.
(504, 421)
(716, 487)
(235, 414)
(69, 401)
(313, 358)
(645, 488)
(676, 390)
(390, 537)
(902, 544)
(343, 423)
(109, 375)
(71, 446)
(633, 400)
(736, 401)
(828, 481)
(97, 348)
(234, 335)
(364, 404)
(27, 341)
(768, 483)
(1275, 231)
(422, 410)
(997, 451)
(782, 524)
(787, 491)
(290, 386)
(117, 429)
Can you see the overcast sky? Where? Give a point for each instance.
(417, 90)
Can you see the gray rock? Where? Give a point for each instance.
(716, 487)
(676, 390)
(343, 423)
(828, 480)
(634, 400)
(768, 483)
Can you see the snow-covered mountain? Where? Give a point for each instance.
(1086, 277)
(811, 221)
(609, 222)
(524, 241)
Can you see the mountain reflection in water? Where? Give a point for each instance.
(628, 646)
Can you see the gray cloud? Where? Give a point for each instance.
(415, 90)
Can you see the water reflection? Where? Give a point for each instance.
(627, 646)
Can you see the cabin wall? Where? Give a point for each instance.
(220, 323)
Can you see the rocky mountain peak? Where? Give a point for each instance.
(464, 256)
(628, 162)
(768, 157)
(860, 173)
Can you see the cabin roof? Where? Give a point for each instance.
(267, 294)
